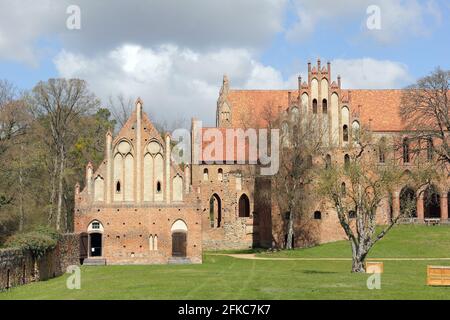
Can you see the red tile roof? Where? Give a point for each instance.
(211, 151)
(378, 109)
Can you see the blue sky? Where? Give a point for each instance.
(174, 56)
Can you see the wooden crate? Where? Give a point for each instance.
(374, 267)
(438, 276)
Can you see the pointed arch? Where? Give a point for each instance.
(244, 206)
(128, 185)
(177, 186)
(215, 211)
(99, 188)
(408, 202)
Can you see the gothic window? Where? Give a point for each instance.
(406, 154)
(244, 206)
(314, 106)
(205, 174)
(328, 162)
(118, 186)
(324, 106)
(346, 161)
(430, 149)
(95, 225)
(220, 174)
(345, 133)
(158, 186)
(343, 189)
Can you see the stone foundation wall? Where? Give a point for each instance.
(17, 267)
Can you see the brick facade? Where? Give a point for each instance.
(147, 208)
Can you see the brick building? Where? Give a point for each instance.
(139, 206)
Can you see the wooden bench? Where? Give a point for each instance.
(374, 267)
(438, 276)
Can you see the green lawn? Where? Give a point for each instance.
(403, 241)
(222, 277)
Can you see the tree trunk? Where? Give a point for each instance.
(35, 271)
(290, 231)
(21, 189)
(358, 258)
(53, 190)
(60, 189)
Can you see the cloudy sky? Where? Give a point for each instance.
(174, 53)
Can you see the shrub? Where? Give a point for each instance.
(37, 242)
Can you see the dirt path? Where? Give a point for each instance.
(252, 256)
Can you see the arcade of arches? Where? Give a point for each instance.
(428, 204)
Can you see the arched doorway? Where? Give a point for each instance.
(179, 239)
(95, 244)
(408, 202)
(244, 206)
(431, 203)
(215, 211)
(95, 231)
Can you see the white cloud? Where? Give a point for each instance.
(174, 82)
(368, 73)
(400, 19)
(105, 25)
(179, 83)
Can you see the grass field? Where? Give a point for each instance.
(223, 277)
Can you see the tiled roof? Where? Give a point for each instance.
(210, 152)
(378, 109)
(249, 106)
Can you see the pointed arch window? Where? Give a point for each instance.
(314, 106)
(328, 162)
(118, 187)
(346, 161)
(345, 133)
(324, 106)
(158, 186)
(244, 206)
(430, 149)
(406, 151)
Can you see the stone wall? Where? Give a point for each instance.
(17, 267)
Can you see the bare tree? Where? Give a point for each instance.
(301, 141)
(121, 108)
(14, 118)
(59, 103)
(356, 190)
(425, 109)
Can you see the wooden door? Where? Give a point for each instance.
(179, 244)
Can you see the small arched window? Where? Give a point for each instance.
(345, 133)
(158, 186)
(430, 149)
(343, 189)
(317, 215)
(352, 214)
(406, 155)
(324, 106)
(220, 174)
(346, 161)
(118, 187)
(244, 206)
(314, 106)
(205, 174)
(328, 162)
